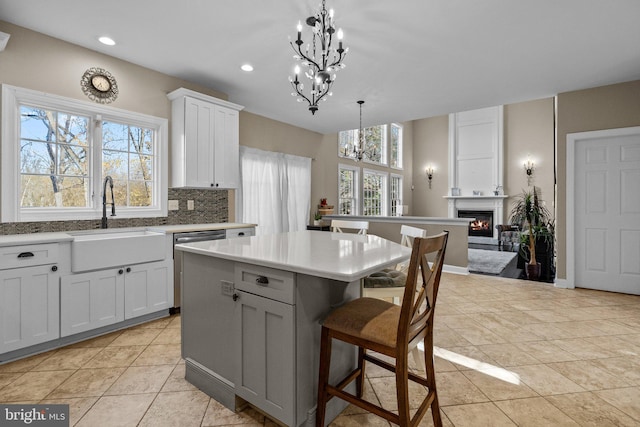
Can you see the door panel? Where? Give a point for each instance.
(607, 211)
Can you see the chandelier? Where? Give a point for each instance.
(358, 150)
(319, 58)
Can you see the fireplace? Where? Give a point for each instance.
(482, 226)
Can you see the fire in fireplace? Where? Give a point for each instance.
(482, 226)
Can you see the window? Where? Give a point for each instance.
(395, 160)
(395, 195)
(374, 192)
(57, 151)
(375, 143)
(347, 190)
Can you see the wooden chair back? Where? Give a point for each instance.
(337, 225)
(417, 311)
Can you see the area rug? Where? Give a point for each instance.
(489, 262)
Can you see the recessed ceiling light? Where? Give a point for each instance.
(106, 40)
(246, 67)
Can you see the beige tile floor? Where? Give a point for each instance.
(509, 353)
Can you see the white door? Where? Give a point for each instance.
(607, 210)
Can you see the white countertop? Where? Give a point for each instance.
(38, 238)
(185, 228)
(339, 256)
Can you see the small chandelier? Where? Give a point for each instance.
(319, 58)
(358, 151)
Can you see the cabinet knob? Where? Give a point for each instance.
(121, 271)
(54, 268)
(235, 297)
(128, 269)
(212, 184)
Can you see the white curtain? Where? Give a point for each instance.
(275, 190)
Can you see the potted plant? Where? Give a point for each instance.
(536, 218)
(317, 219)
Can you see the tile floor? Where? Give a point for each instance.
(509, 353)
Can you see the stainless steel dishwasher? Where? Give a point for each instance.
(178, 238)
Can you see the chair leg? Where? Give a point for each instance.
(402, 390)
(361, 366)
(323, 380)
(430, 372)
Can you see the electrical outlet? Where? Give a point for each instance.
(227, 288)
(173, 205)
(190, 205)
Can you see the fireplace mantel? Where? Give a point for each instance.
(476, 197)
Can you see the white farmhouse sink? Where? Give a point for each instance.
(105, 249)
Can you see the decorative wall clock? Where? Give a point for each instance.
(99, 85)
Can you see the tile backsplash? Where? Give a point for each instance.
(210, 206)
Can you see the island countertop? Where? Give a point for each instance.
(338, 256)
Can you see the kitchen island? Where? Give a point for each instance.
(251, 314)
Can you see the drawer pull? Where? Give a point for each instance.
(26, 255)
(262, 281)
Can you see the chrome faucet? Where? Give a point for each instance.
(107, 180)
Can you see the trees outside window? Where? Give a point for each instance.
(395, 160)
(395, 195)
(374, 191)
(57, 152)
(347, 190)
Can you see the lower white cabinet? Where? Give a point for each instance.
(91, 300)
(146, 288)
(29, 306)
(103, 297)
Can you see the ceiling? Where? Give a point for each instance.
(408, 59)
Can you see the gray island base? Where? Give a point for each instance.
(251, 314)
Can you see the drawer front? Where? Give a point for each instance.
(29, 255)
(240, 232)
(278, 285)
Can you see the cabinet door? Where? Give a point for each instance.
(199, 137)
(146, 288)
(226, 148)
(91, 300)
(265, 369)
(29, 307)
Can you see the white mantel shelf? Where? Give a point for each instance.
(502, 196)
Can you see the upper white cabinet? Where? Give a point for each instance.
(204, 140)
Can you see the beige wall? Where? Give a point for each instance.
(605, 107)
(528, 129)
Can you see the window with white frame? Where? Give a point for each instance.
(375, 143)
(57, 151)
(374, 192)
(347, 190)
(395, 195)
(395, 158)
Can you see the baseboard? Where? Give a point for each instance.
(563, 284)
(455, 269)
(210, 383)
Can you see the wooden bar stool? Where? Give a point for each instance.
(391, 330)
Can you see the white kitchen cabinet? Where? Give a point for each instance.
(29, 296)
(104, 297)
(147, 288)
(91, 300)
(265, 354)
(205, 141)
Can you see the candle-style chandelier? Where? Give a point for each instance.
(319, 57)
(358, 151)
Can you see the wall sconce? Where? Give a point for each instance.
(528, 168)
(429, 173)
